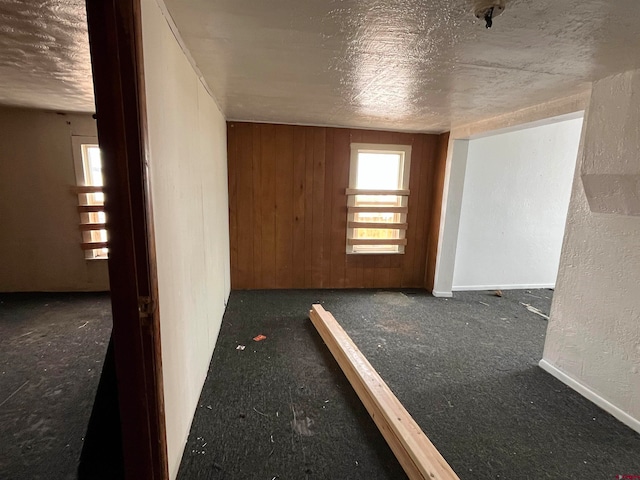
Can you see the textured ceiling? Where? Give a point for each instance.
(401, 64)
(395, 64)
(44, 55)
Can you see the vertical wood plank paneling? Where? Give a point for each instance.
(340, 174)
(232, 167)
(244, 179)
(256, 138)
(287, 208)
(308, 206)
(428, 150)
(298, 203)
(438, 173)
(268, 196)
(408, 277)
(317, 247)
(328, 212)
(284, 207)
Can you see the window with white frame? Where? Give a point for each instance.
(88, 166)
(377, 198)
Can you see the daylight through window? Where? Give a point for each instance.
(377, 198)
(91, 197)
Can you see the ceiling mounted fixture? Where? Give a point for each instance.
(489, 9)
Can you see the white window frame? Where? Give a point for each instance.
(405, 166)
(78, 144)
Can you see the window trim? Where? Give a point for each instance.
(397, 247)
(77, 143)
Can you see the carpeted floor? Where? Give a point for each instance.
(52, 347)
(465, 368)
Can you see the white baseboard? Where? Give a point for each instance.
(589, 394)
(470, 288)
(442, 294)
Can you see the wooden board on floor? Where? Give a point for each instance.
(415, 452)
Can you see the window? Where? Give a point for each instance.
(88, 164)
(377, 198)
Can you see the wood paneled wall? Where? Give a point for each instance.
(287, 208)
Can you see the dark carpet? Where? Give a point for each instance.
(52, 347)
(465, 368)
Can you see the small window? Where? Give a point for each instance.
(88, 164)
(377, 198)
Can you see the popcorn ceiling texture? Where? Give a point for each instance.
(44, 55)
(401, 64)
(385, 64)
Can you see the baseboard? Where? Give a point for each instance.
(470, 288)
(441, 294)
(589, 394)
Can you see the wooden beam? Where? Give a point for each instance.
(378, 209)
(94, 245)
(86, 227)
(379, 225)
(90, 208)
(377, 241)
(361, 191)
(87, 189)
(415, 452)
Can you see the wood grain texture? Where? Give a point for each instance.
(294, 181)
(439, 168)
(115, 40)
(418, 456)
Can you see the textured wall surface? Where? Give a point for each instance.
(514, 207)
(188, 162)
(594, 331)
(614, 186)
(40, 241)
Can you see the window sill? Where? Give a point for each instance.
(375, 253)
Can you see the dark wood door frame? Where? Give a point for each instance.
(115, 40)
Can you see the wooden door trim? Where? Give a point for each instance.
(115, 37)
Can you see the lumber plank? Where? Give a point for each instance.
(415, 452)
(377, 241)
(377, 209)
(86, 227)
(90, 208)
(362, 191)
(84, 189)
(93, 245)
(379, 225)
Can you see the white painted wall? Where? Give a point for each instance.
(537, 115)
(449, 225)
(593, 337)
(514, 207)
(188, 163)
(40, 241)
